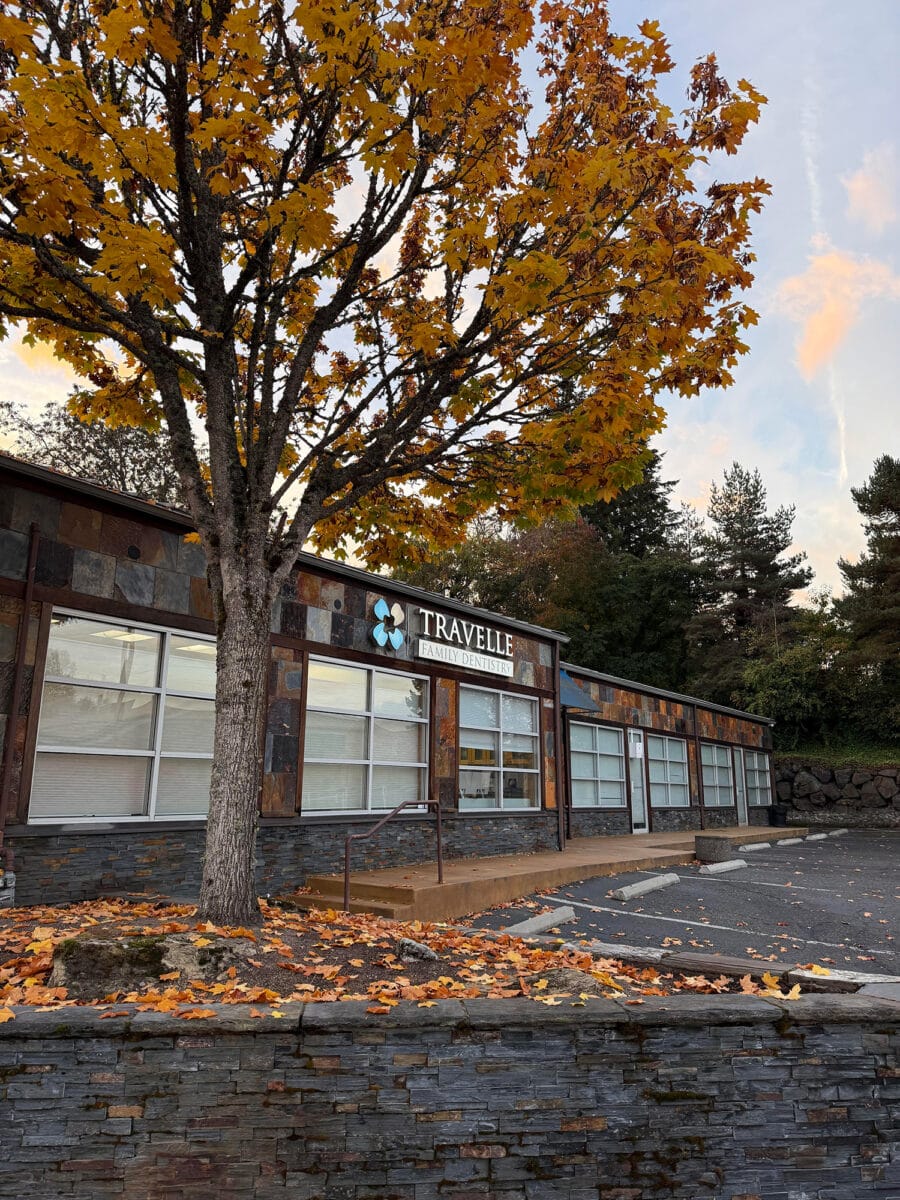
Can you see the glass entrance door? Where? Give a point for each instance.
(740, 787)
(636, 775)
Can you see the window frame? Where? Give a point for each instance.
(155, 753)
(370, 716)
(499, 769)
(765, 771)
(667, 783)
(596, 755)
(717, 787)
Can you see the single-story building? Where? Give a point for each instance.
(379, 693)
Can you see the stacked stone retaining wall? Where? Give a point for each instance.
(866, 797)
(689, 1097)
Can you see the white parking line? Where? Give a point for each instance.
(697, 924)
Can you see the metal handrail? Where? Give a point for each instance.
(429, 804)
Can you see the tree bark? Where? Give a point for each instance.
(227, 892)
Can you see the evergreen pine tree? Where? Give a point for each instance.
(870, 608)
(749, 582)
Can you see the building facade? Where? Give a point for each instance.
(379, 693)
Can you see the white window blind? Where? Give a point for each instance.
(499, 750)
(366, 738)
(667, 767)
(597, 762)
(718, 778)
(126, 722)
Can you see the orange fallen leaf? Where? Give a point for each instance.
(170, 975)
(191, 1014)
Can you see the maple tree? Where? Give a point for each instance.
(366, 287)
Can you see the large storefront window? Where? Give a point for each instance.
(597, 759)
(366, 738)
(126, 723)
(667, 764)
(759, 779)
(718, 781)
(499, 752)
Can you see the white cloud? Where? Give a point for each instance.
(872, 191)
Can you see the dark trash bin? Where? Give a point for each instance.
(778, 816)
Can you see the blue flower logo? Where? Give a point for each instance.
(389, 618)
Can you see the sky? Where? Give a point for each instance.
(816, 399)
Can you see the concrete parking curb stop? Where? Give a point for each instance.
(833, 983)
(718, 868)
(817, 837)
(756, 846)
(653, 884)
(542, 922)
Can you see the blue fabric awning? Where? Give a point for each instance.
(572, 696)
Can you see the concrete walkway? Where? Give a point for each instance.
(472, 884)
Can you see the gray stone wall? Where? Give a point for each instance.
(675, 820)
(676, 1099)
(80, 864)
(587, 822)
(855, 796)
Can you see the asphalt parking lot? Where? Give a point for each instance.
(834, 902)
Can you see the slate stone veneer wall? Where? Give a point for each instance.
(54, 867)
(728, 1098)
(855, 796)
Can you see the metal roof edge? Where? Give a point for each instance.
(95, 491)
(617, 680)
(177, 516)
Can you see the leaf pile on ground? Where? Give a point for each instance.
(318, 955)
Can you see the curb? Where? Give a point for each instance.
(834, 983)
(643, 886)
(541, 922)
(718, 868)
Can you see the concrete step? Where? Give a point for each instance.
(333, 885)
(306, 901)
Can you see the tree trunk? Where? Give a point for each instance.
(228, 891)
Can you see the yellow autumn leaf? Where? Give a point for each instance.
(6, 1014)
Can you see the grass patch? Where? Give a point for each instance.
(867, 755)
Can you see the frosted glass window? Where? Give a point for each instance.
(396, 785)
(759, 779)
(75, 786)
(479, 708)
(191, 666)
(332, 685)
(371, 761)
(398, 742)
(333, 787)
(600, 760)
(101, 717)
(581, 737)
(103, 652)
(718, 784)
(113, 708)
(498, 729)
(399, 696)
(667, 768)
(182, 789)
(332, 735)
(519, 714)
(188, 725)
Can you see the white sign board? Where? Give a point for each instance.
(459, 656)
